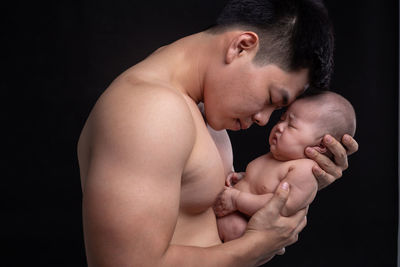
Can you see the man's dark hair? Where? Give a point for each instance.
(293, 34)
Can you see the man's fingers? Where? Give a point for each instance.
(281, 251)
(350, 144)
(280, 197)
(302, 224)
(338, 151)
(300, 219)
(300, 216)
(324, 163)
(324, 179)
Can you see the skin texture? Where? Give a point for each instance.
(145, 153)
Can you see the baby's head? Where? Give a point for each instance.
(306, 122)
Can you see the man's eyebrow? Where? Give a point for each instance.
(285, 96)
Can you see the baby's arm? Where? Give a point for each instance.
(232, 199)
(249, 203)
(303, 186)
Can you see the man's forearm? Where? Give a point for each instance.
(252, 249)
(249, 250)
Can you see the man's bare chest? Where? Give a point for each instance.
(204, 174)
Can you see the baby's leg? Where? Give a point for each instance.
(231, 226)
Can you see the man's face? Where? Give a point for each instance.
(296, 130)
(242, 93)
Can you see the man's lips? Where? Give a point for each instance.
(237, 125)
(243, 125)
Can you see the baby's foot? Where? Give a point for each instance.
(226, 201)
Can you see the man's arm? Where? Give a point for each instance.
(131, 196)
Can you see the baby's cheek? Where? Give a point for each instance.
(294, 151)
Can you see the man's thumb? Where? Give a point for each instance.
(281, 196)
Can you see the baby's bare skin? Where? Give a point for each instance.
(269, 173)
(226, 201)
(263, 176)
(303, 125)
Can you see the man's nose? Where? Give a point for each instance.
(262, 117)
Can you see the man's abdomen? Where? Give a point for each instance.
(196, 230)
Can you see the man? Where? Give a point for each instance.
(151, 170)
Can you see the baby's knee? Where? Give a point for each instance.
(231, 227)
(238, 228)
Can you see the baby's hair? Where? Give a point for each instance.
(336, 117)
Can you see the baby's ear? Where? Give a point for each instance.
(321, 148)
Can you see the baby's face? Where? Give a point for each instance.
(295, 131)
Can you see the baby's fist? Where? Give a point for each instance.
(225, 202)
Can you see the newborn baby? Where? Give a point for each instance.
(304, 124)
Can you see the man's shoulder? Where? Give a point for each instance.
(142, 108)
(139, 94)
(139, 98)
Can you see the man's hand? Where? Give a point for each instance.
(328, 171)
(278, 231)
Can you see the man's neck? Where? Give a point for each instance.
(195, 54)
(183, 64)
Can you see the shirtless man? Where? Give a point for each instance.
(150, 170)
(304, 124)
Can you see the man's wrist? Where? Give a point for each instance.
(258, 247)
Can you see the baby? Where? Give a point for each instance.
(303, 125)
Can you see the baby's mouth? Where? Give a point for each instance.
(274, 140)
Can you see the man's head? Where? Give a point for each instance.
(269, 52)
(292, 34)
(306, 122)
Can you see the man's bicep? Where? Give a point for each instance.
(124, 217)
(132, 192)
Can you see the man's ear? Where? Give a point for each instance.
(244, 42)
(321, 148)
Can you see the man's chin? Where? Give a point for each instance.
(215, 127)
(235, 127)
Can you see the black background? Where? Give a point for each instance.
(58, 57)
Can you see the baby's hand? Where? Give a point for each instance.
(233, 178)
(226, 201)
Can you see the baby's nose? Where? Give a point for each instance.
(281, 127)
